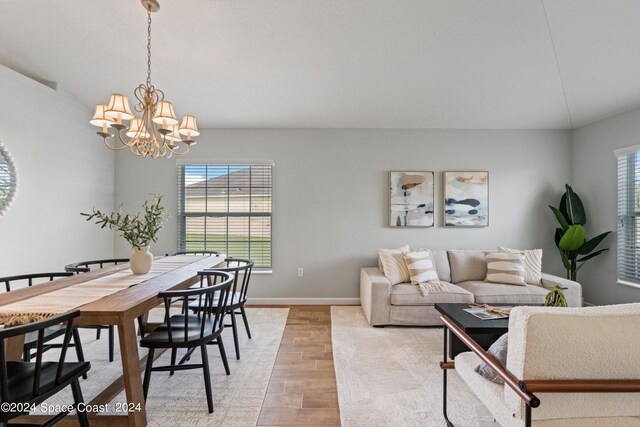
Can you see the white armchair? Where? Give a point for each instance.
(575, 366)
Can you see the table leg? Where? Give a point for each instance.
(131, 371)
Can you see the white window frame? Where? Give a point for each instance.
(628, 214)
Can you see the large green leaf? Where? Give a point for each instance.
(561, 219)
(565, 260)
(572, 208)
(591, 244)
(572, 239)
(583, 259)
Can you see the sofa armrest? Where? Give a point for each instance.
(573, 293)
(375, 296)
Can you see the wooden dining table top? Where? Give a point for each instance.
(131, 302)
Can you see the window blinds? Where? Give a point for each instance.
(226, 208)
(628, 212)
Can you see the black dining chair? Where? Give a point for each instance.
(23, 384)
(194, 253)
(241, 268)
(190, 331)
(52, 333)
(85, 267)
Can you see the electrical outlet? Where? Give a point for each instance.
(300, 272)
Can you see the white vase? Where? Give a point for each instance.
(141, 260)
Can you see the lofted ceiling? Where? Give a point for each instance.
(342, 63)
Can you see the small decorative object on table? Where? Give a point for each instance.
(556, 298)
(488, 312)
(139, 232)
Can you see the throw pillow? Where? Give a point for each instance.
(393, 265)
(532, 264)
(505, 268)
(499, 351)
(467, 265)
(421, 267)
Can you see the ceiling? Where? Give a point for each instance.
(342, 63)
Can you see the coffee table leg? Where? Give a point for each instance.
(444, 378)
(131, 371)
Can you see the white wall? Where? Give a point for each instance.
(595, 179)
(331, 195)
(63, 169)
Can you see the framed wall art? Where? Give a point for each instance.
(411, 199)
(466, 199)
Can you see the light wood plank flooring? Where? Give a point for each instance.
(302, 389)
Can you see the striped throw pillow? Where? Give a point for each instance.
(421, 267)
(393, 266)
(505, 268)
(532, 264)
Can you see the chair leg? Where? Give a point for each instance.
(234, 326)
(246, 322)
(98, 330)
(207, 377)
(78, 346)
(77, 399)
(174, 354)
(26, 354)
(147, 374)
(223, 355)
(141, 327)
(111, 342)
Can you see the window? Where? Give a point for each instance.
(226, 208)
(628, 216)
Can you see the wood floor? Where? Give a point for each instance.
(302, 389)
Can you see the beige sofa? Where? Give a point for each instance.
(463, 274)
(565, 344)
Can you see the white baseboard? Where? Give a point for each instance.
(304, 301)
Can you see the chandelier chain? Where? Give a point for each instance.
(149, 46)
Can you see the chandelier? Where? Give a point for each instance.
(157, 133)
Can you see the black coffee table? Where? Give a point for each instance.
(484, 332)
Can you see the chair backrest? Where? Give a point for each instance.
(24, 280)
(586, 343)
(38, 327)
(241, 268)
(85, 266)
(212, 298)
(194, 253)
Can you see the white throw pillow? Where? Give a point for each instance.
(393, 265)
(421, 267)
(505, 268)
(532, 263)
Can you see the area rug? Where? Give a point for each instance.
(391, 376)
(180, 399)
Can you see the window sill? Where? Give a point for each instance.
(261, 272)
(630, 284)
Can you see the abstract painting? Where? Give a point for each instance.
(466, 199)
(411, 199)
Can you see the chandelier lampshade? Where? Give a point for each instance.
(188, 128)
(156, 133)
(99, 118)
(118, 108)
(164, 114)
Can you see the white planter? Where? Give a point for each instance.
(141, 260)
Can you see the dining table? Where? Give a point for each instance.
(120, 300)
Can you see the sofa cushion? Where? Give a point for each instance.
(505, 268)
(408, 294)
(467, 265)
(441, 260)
(532, 263)
(421, 267)
(393, 265)
(497, 293)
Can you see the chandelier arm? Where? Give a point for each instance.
(113, 148)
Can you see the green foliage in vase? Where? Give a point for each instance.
(574, 247)
(556, 298)
(139, 230)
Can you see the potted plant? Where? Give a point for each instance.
(139, 231)
(575, 249)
